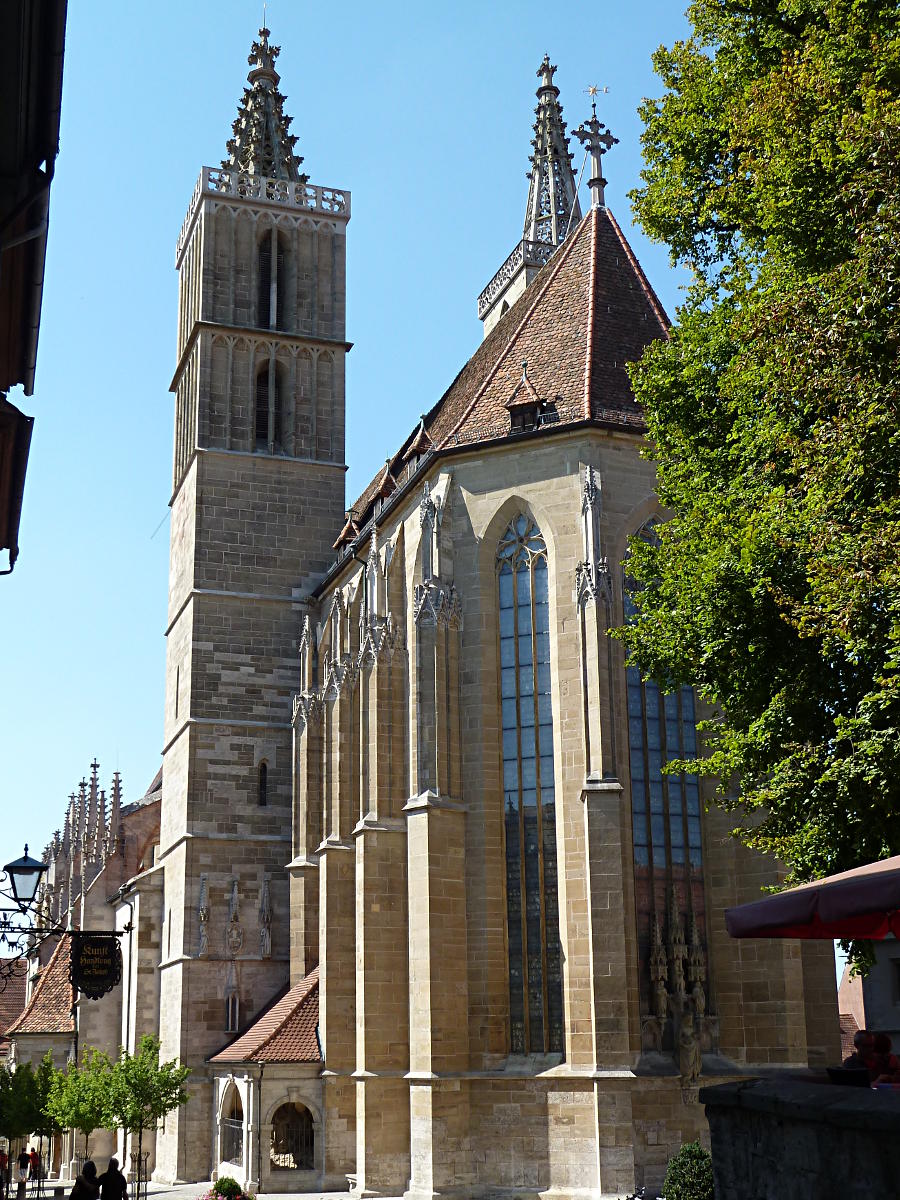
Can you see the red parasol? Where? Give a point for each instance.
(862, 903)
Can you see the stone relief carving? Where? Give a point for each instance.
(203, 916)
(677, 1022)
(234, 934)
(265, 921)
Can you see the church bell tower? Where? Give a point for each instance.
(258, 498)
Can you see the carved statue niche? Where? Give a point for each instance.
(234, 934)
(203, 916)
(690, 1061)
(676, 946)
(265, 921)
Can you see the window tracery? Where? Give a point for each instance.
(529, 801)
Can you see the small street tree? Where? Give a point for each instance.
(19, 1114)
(79, 1096)
(142, 1091)
(45, 1078)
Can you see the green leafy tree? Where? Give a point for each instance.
(773, 171)
(46, 1126)
(19, 1113)
(142, 1091)
(79, 1096)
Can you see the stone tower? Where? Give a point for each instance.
(258, 496)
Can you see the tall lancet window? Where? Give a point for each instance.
(270, 282)
(529, 799)
(665, 809)
(267, 419)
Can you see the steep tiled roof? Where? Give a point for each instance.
(285, 1033)
(50, 1008)
(588, 312)
(848, 1028)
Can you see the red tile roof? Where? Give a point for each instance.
(588, 312)
(50, 1008)
(848, 1028)
(12, 998)
(285, 1033)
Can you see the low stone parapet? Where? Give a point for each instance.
(780, 1138)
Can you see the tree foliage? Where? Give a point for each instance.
(79, 1096)
(142, 1091)
(19, 1111)
(689, 1175)
(773, 170)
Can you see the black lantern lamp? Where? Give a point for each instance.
(24, 876)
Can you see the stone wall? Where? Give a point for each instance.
(774, 1138)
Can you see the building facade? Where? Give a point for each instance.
(429, 917)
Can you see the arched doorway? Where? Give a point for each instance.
(293, 1139)
(231, 1128)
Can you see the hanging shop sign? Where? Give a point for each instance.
(96, 965)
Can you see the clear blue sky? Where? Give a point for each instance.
(424, 112)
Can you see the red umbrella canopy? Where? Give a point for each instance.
(862, 903)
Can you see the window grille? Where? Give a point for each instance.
(232, 1141)
(529, 799)
(293, 1144)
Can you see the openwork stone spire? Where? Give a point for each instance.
(262, 144)
(552, 196)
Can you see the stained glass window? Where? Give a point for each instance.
(529, 800)
(665, 809)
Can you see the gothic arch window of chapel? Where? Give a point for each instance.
(529, 799)
(668, 845)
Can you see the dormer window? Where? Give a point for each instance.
(524, 404)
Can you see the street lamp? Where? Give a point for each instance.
(24, 876)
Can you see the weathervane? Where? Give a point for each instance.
(593, 91)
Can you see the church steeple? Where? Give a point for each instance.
(552, 195)
(262, 144)
(552, 210)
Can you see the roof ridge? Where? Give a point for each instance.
(561, 258)
(589, 339)
(312, 979)
(42, 983)
(645, 283)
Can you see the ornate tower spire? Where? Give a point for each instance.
(552, 194)
(262, 144)
(552, 211)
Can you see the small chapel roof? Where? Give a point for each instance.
(284, 1033)
(50, 1008)
(589, 311)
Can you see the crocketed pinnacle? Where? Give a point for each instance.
(262, 144)
(553, 206)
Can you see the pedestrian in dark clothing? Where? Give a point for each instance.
(113, 1184)
(85, 1187)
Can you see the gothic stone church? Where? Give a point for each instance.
(434, 922)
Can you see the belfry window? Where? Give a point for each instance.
(267, 420)
(665, 809)
(270, 282)
(262, 785)
(529, 799)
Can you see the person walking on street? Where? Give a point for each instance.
(113, 1184)
(85, 1186)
